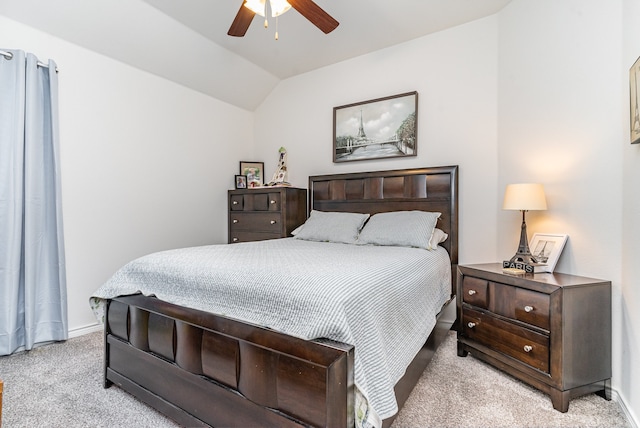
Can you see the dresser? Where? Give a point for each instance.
(265, 213)
(550, 330)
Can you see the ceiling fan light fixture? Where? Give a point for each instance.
(278, 7)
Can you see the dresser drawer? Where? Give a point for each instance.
(265, 213)
(258, 222)
(525, 345)
(255, 201)
(475, 292)
(248, 236)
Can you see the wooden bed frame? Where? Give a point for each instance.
(203, 369)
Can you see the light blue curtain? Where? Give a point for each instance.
(33, 289)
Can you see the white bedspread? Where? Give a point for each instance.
(382, 300)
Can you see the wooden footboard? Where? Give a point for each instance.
(202, 369)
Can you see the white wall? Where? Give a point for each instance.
(629, 331)
(454, 73)
(560, 124)
(531, 94)
(145, 162)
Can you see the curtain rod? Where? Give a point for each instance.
(9, 55)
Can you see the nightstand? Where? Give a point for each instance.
(265, 213)
(550, 330)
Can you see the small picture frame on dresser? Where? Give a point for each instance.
(241, 181)
(546, 248)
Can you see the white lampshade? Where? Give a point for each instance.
(524, 197)
(278, 7)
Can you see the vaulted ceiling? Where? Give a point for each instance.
(186, 41)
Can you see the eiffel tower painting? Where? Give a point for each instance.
(361, 133)
(391, 128)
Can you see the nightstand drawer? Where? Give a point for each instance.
(520, 304)
(475, 292)
(525, 345)
(258, 222)
(532, 307)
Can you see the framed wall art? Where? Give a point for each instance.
(376, 129)
(546, 248)
(634, 91)
(254, 172)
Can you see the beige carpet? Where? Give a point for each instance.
(60, 385)
(466, 392)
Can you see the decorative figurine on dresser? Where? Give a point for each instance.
(265, 213)
(550, 330)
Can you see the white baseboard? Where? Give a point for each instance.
(623, 406)
(81, 331)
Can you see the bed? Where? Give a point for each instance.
(203, 368)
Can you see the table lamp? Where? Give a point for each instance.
(524, 197)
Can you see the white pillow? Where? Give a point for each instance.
(438, 237)
(331, 227)
(401, 228)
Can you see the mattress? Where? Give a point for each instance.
(382, 300)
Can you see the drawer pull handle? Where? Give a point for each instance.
(272, 202)
(235, 239)
(471, 324)
(528, 348)
(272, 222)
(528, 308)
(472, 292)
(235, 220)
(235, 202)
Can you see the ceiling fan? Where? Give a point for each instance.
(306, 8)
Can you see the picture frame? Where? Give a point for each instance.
(241, 181)
(376, 129)
(254, 171)
(546, 248)
(634, 101)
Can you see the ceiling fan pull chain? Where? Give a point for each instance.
(276, 27)
(266, 20)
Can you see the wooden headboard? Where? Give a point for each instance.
(425, 189)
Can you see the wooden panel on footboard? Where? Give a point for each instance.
(204, 369)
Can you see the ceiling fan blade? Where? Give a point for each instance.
(241, 22)
(315, 14)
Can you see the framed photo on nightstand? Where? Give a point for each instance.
(546, 248)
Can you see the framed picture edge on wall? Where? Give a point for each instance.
(254, 172)
(539, 248)
(634, 101)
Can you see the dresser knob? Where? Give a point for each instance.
(528, 348)
(471, 324)
(235, 220)
(272, 202)
(272, 222)
(235, 202)
(472, 292)
(235, 239)
(528, 308)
